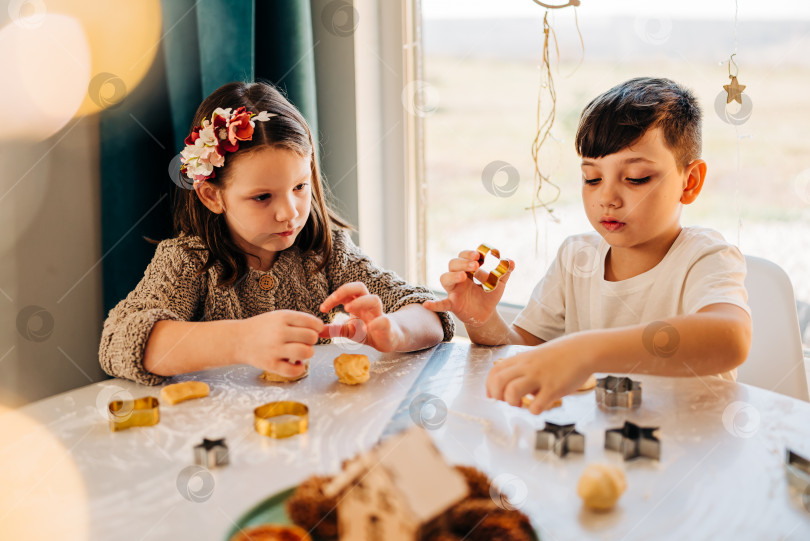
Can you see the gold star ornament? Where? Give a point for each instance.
(735, 90)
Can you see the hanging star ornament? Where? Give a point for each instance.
(735, 90)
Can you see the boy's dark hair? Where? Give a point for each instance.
(287, 130)
(617, 118)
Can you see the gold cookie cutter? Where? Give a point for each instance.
(496, 274)
(266, 424)
(125, 414)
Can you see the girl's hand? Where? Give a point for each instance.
(549, 372)
(279, 341)
(466, 299)
(367, 324)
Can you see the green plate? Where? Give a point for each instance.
(272, 510)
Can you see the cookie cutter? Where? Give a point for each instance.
(266, 423)
(125, 414)
(496, 274)
(211, 453)
(634, 441)
(797, 469)
(561, 439)
(618, 392)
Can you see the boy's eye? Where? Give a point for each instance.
(592, 180)
(638, 180)
(261, 197)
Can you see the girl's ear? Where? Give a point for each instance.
(693, 182)
(210, 196)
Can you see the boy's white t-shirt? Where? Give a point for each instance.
(699, 269)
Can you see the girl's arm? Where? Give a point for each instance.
(177, 347)
(420, 327)
(276, 341)
(410, 328)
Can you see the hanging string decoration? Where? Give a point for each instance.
(547, 93)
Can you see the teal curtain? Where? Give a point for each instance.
(205, 44)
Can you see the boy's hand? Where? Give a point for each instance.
(466, 299)
(549, 371)
(278, 341)
(367, 324)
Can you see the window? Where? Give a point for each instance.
(480, 89)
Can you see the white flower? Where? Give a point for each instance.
(196, 168)
(226, 113)
(207, 135)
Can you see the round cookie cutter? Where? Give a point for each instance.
(266, 423)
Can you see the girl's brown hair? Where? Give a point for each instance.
(287, 130)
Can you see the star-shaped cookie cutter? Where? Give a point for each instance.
(797, 469)
(634, 441)
(211, 453)
(617, 392)
(492, 280)
(561, 439)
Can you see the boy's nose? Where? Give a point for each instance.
(609, 196)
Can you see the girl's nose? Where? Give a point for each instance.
(286, 211)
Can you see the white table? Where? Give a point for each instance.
(720, 474)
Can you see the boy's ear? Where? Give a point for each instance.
(693, 182)
(210, 197)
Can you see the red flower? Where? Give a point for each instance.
(240, 128)
(195, 134)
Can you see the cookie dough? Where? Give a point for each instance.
(527, 400)
(589, 384)
(178, 392)
(600, 486)
(352, 369)
(275, 378)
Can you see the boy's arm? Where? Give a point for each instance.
(496, 332)
(714, 340)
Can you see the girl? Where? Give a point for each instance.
(259, 262)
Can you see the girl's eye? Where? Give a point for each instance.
(261, 197)
(639, 180)
(301, 186)
(591, 181)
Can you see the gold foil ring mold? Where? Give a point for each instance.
(272, 419)
(495, 275)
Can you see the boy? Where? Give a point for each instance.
(644, 295)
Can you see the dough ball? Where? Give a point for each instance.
(273, 377)
(527, 400)
(600, 486)
(352, 369)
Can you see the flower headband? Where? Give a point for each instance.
(208, 143)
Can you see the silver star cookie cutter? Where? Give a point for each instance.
(561, 439)
(617, 392)
(634, 441)
(211, 453)
(797, 469)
